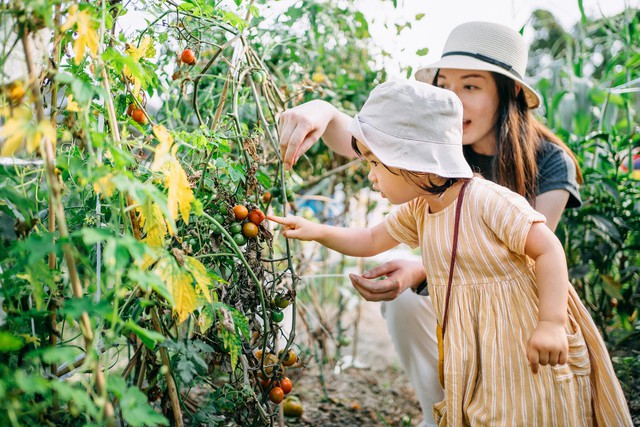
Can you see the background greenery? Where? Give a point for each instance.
(126, 294)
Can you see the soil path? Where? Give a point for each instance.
(376, 393)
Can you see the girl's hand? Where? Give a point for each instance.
(547, 345)
(296, 227)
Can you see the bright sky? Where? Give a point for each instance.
(441, 16)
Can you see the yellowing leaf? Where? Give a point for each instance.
(44, 130)
(145, 49)
(199, 273)
(180, 193)
(104, 185)
(179, 285)
(163, 149)
(72, 105)
(85, 29)
(14, 131)
(153, 224)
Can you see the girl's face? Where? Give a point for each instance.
(392, 186)
(479, 95)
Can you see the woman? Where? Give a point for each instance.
(484, 64)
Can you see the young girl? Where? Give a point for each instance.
(519, 348)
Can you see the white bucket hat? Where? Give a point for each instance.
(413, 126)
(484, 46)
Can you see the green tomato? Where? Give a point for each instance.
(258, 76)
(235, 228)
(281, 301)
(239, 239)
(277, 316)
(219, 218)
(223, 209)
(275, 191)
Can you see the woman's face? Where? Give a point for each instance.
(479, 95)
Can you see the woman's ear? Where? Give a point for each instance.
(518, 87)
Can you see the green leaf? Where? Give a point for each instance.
(422, 52)
(148, 338)
(419, 16)
(10, 342)
(135, 407)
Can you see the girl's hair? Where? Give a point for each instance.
(519, 136)
(416, 178)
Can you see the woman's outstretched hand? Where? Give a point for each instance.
(300, 128)
(296, 227)
(547, 345)
(400, 275)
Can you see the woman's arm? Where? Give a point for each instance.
(548, 343)
(551, 204)
(302, 126)
(360, 242)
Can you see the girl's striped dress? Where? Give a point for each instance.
(492, 313)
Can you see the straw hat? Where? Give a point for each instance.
(413, 126)
(484, 46)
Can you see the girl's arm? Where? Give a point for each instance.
(359, 242)
(551, 204)
(548, 343)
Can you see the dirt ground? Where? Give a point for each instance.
(375, 393)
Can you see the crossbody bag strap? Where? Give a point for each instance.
(454, 250)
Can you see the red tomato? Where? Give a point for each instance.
(286, 385)
(276, 395)
(256, 216)
(188, 57)
(138, 115)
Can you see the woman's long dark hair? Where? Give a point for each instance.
(520, 135)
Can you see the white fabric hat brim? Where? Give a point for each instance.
(426, 74)
(445, 160)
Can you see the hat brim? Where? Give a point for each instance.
(427, 73)
(444, 160)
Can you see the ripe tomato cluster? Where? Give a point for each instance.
(278, 385)
(245, 224)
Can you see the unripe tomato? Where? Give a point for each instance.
(277, 316)
(235, 228)
(138, 115)
(256, 216)
(240, 212)
(289, 359)
(292, 407)
(219, 218)
(286, 385)
(239, 239)
(266, 197)
(250, 230)
(276, 395)
(281, 301)
(257, 76)
(223, 209)
(270, 362)
(188, 57)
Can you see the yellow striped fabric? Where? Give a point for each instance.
(493, 311)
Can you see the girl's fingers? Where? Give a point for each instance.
(533, 357)
(279, 219)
